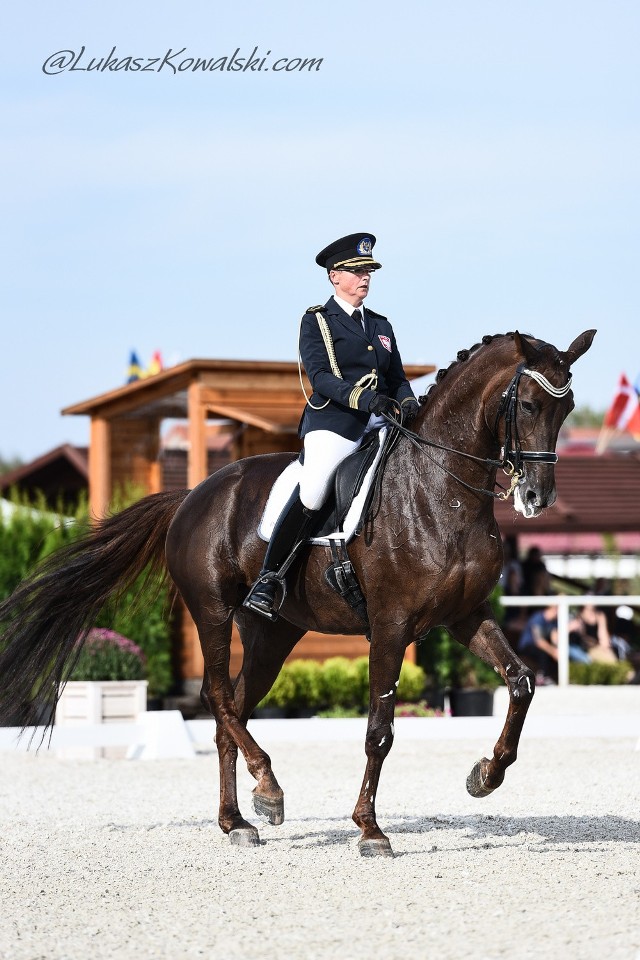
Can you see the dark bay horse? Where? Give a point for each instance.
(430, 557)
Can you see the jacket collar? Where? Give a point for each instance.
(335, 310)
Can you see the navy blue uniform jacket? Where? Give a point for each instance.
(357, 354)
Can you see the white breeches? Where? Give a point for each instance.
(323, 451)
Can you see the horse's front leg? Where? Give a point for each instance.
(385, 661)
(482, 635)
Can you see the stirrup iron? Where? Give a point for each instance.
(280, 582)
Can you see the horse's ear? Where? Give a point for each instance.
(524, 347)
(579, 346)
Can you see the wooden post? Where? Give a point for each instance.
(155, 472)
(197, 463)
(100, 467)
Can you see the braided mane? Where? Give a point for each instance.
(462, 356)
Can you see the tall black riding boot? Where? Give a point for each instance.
(292, 528)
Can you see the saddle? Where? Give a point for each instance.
(344, 513)
(347, 484)
(348, 481)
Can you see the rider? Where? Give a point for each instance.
(353, 364)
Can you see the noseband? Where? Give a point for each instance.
(513, 457)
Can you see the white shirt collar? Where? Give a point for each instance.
(349, 307)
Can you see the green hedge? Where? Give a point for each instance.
(601, 674)
(32, 532)
(339, 684)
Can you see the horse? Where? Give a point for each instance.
(430, 557)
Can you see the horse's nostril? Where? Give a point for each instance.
(531, 495)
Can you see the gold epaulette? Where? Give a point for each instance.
(318, 309)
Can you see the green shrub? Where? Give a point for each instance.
(419, 709)
(32, 532)
(412, 682)
(604, 674)
(339, 682)
(107, 655)
(307, 682)
(340, 713)
(282, 692)
(360, 667)
(28, 534)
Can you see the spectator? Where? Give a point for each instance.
(539, 644)
(515, 618)
(622, 636)
(590, 633)
(510, 560)
(533, 573)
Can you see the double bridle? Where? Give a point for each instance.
(513, 457)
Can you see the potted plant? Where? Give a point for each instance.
(107, 685)
(468, 681)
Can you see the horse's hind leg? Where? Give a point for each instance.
(266, 647)
(482, 635)
(214, 628)
(240, 831)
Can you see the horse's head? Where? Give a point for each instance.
(540, 399)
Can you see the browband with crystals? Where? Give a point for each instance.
(546, 385)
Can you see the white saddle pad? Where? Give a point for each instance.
(284, 487)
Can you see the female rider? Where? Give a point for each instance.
(353, 364)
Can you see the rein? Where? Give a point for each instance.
(513, 456)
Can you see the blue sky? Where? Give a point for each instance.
(491, 146)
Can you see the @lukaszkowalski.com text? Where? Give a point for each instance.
(174, 62)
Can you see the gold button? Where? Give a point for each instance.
(369, 347)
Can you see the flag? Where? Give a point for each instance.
(624, 412)
(156, 364)
(637, 384)
(135, 370)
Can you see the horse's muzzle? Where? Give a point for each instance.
(531, 498)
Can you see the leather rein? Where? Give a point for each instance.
(513, 456)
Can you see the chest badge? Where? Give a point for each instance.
(385, 341)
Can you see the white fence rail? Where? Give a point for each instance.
(564, 602)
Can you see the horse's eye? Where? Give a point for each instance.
(527, 407)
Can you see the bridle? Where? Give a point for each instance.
(513, 457)
(513, 454)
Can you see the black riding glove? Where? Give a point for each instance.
(381, 404)
(410, 408)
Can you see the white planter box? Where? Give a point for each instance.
(99, 701)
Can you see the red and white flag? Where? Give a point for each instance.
(624, 412)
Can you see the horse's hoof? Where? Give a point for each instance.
(244, 837)
(270, 810)
(476, 785)
(377, 847)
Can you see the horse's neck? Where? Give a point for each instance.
(454, 416)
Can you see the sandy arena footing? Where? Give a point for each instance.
(117, 859)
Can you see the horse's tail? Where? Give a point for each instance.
(46, 619)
